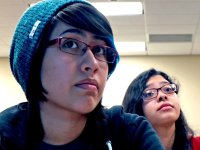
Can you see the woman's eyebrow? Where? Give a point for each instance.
(73, 30)
(99, 37)
(160, 83)
(82, 33)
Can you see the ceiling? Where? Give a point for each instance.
(168, 27)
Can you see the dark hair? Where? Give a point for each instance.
(79, 15)
(132, 103)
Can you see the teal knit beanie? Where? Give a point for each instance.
(28, 34)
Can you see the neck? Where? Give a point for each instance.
(60, 127)
(167, 135)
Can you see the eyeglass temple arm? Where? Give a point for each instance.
(52, 42)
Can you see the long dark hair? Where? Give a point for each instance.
(78, 15)
(132, 103)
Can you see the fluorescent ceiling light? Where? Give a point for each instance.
(119, 8)
(129, 48)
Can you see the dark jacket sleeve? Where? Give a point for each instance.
(12, 127)
(131, 132)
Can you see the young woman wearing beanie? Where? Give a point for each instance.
(62, 54)
(153, 94)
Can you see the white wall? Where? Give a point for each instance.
(10, 91)
(184, 68)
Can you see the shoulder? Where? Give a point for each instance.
(12, 126)
(196, 143)
(13, 112)
(196, 138)
(131, 131)
(117, 114)
(13, 117)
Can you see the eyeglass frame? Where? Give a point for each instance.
(160, 89)
(58, 42)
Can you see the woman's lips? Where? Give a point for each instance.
(88, 84)
(165, 106)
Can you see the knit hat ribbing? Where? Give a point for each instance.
(28, 34)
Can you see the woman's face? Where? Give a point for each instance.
(74, 83)
(164, 109)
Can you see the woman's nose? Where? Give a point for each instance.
(161, 96)
(89, 62)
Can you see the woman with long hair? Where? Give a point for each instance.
(154, 94)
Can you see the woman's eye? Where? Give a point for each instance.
(148, 94)
(168, 89)
(69, 44)
(99, 50)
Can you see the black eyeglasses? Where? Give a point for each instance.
(76, 47)
(152, 93)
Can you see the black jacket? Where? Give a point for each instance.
(125, 131)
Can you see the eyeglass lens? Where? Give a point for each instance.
(76, 47)
(152, 93)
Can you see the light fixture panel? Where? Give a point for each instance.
(119, 8)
